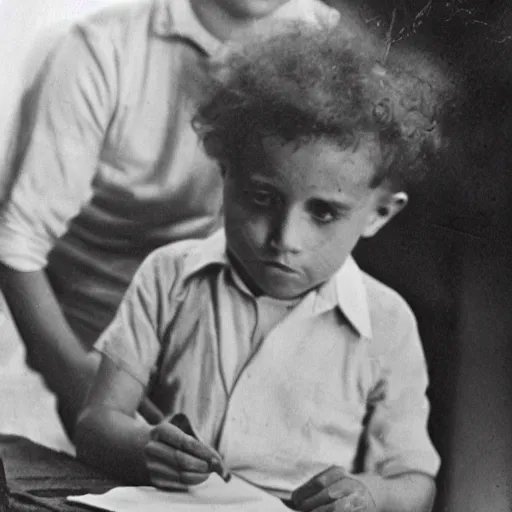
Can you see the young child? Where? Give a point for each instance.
(282, 353)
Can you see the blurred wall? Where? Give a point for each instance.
(450, 254)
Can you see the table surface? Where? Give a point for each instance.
(40, 479)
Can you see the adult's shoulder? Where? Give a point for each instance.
(110, 32)
(118, 19)
(101, 51)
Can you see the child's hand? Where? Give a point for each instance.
(176, 460)
(333, 490)
(150, 412)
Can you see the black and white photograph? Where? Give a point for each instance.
(255, 255)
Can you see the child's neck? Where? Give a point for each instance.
(245, 278)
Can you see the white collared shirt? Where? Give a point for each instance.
(298, 404)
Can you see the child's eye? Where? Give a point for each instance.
(261, 197)
(323, 212)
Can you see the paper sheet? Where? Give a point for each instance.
(214, 495)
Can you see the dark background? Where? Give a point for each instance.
(449, 252)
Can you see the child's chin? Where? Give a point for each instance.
(282, 291)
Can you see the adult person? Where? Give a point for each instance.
(110, 170)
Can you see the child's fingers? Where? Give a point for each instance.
(177, 459)
(176, 438)
(150, 412)
(341, 506)
(317, 484)
(166, 477)
(343, 495)
(349, 502)
(181, 421)
(162, 483)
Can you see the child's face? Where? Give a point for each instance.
(294, 214)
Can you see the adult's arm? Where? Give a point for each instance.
(71, 104)
(52, 348)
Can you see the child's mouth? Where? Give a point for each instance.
(279, 266)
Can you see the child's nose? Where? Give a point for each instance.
(287, 233)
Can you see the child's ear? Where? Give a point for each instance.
(388, 206)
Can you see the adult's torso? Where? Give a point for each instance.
(153, 183)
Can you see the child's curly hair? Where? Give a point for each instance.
(304, 81)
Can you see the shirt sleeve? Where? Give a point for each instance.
(398, 440)
(132, 341)
(69, 111)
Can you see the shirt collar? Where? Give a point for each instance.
(346, 289)
(211, 251)
(177, 18)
